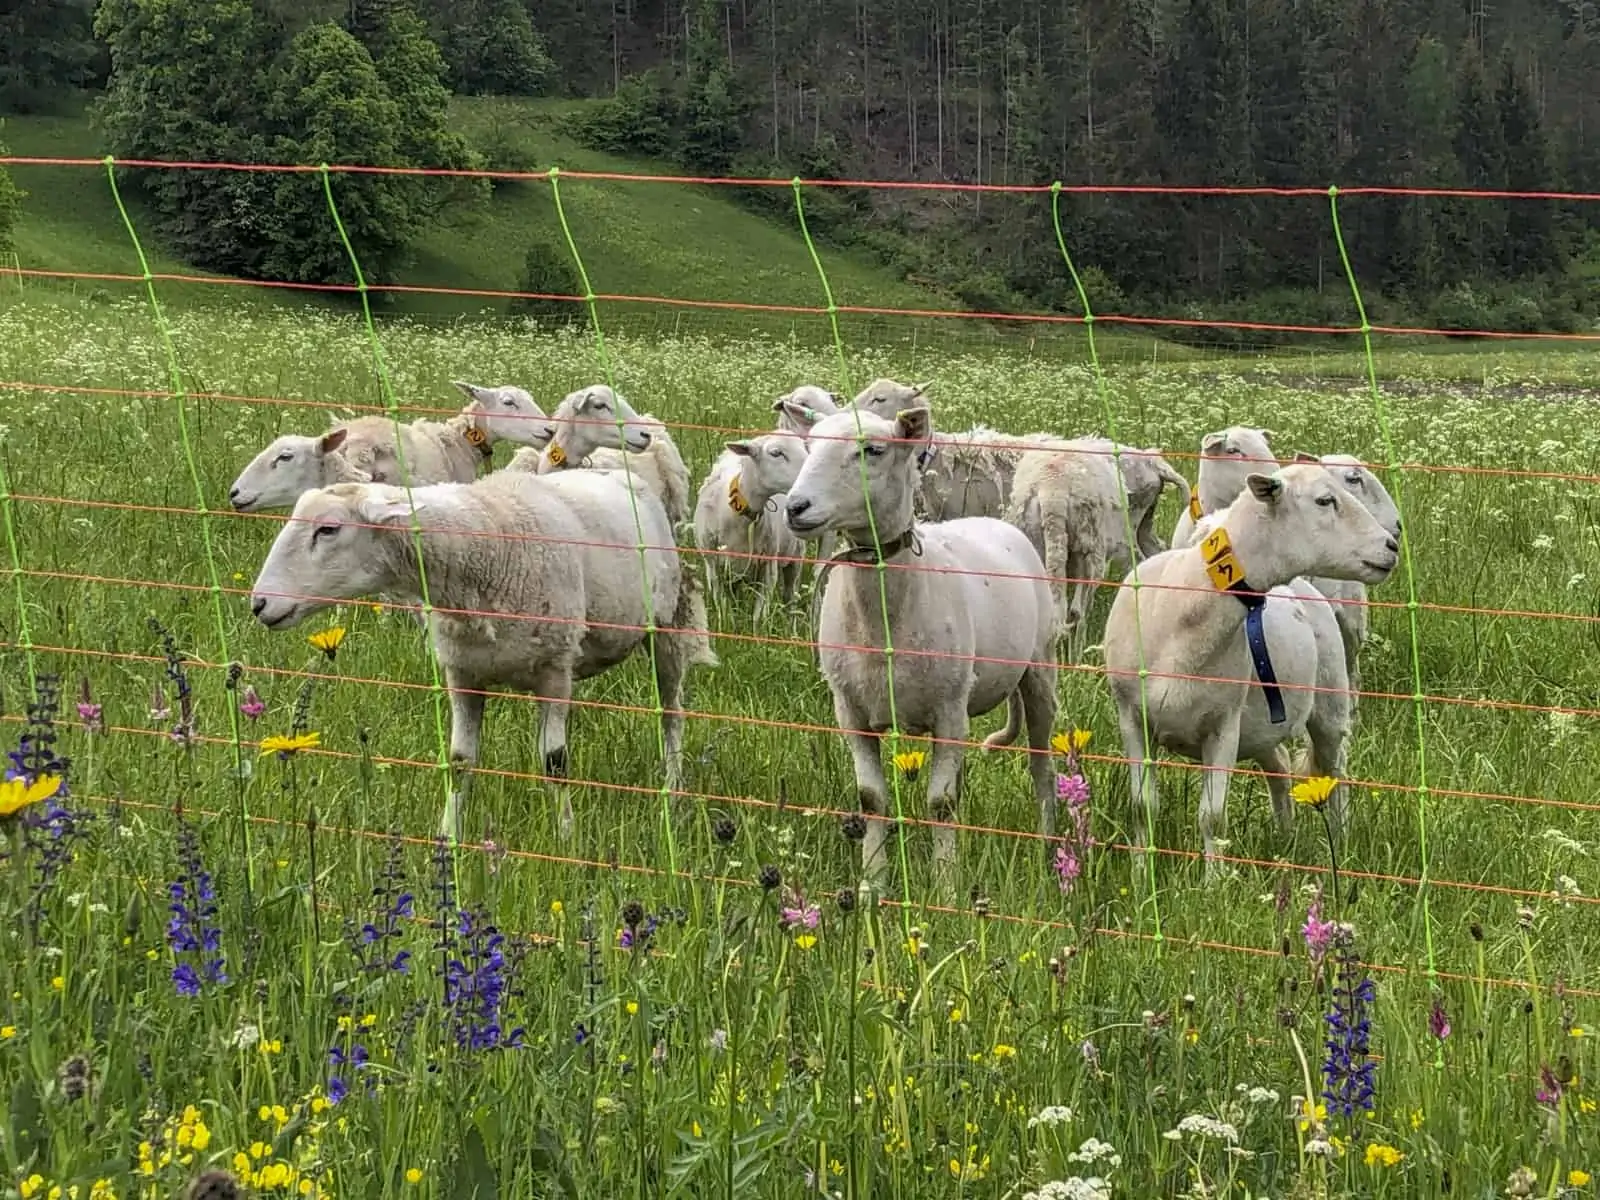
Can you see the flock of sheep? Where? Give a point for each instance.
(1244, 634)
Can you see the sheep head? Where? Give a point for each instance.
(507, 413)
(331, 549)
(847, 470)
(771, 464)
(596, 418)
(1301, 520)
(1367, 488)
(1240, 443)
(290, 466)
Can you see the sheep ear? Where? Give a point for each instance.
(1300, 456)
(913, 424)
(918, 388)
(743, 449)
(777, 405)
(805, 417)
(332, 440)
(379, 510)
(1266, 434)
(470, 390)
(1266, 488)
(1212, 441)
(838, 400)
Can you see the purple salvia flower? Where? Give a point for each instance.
(192, 933)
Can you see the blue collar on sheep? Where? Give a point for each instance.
(1227, 576)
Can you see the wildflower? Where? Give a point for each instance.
(1438, 1020)
(971, 1170)
(328, 641)
(1380, 1155)
(1051, 1115)
(909, 762)
(770, 877)
(556, 908)
(805, 941)
(1003, 1051)
(1577, 1178)
(72, 1078)
(192, 930)
(18, 794)
(160, 710)
(1311, 1115)
(1550, 1089)
(476, 985)
(413, 1175)
(799, 914)
(286, 745)
(718, 1041)
(1318, 934)
(1314, 791)
(1090, 1187)
(90, 713)
(1347, 1069)
(372, 943)
(1521, 1181)
(7, 1032)
(1203, 1126)
(251, 705)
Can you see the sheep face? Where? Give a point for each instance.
(1320, 528)
(508, 413)
(829, 493)
(888, 397)
(1241, 444)
(587, 421)
(804, 407)
(1367, 488)
(771, 465)
(286, 469)
(329, 550)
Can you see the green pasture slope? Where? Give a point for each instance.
(725, 1057)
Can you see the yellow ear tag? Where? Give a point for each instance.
(1194, 504)
(736, 500)
(556, 454)
(1221, 565)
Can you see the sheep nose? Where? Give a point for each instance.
(796, 508)
(1394, 546)
(233, 494)
(258, 605)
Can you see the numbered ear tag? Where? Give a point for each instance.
(478, 440)
(1221, 565)
(736, 500)
(557, 455)
(1194, 504)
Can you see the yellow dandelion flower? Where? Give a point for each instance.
(1578, 1031)
(1586, 1104)
(909, 762)
(694, 1128)
(1003, 1051)
(59, 983)
(1312, 1114)
(289, 744)
(31, 1186)
(1577, 1178)
(18, 794)
(7, 1032)
(271, 1046)
(633, 1008)
(1314, 791)
(955, 1016)
(1075, 742)
(413, 1174)
(328, 641)
(1380, 1155)
(556, 908)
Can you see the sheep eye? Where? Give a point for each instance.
(286, 456)
(509, 402)
(873, 450)
(777, 453)
(1354, 480)
(323, 531)
(1328, 502)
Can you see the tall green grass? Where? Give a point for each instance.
(904, 1052)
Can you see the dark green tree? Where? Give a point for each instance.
(491, 47)
(1477, 227)
(715, 103)
(1530, 242)
(46, 47)
(10, 205)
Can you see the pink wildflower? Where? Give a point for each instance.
(1073, 789)
(1067, 866)
(1438, 1020)
(1549, 1093)
(1318, 933)
(802, 915)
(252, 705)
(90, 713)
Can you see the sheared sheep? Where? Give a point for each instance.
(970, 475)
(1182, 636)
(594, 426)
(1146, 475)
(1066, 498)
(740, 509)
(519, 546)
(1227, 458)
(362, 450)
(809, 396)
(968, 616)
(886, 398)
(1349, 596)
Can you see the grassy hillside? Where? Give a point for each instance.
(645, 239)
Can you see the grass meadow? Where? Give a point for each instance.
(651, 1025)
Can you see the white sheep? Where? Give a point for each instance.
(968, 616)
(1348, 596)
(740, 509)
(1146, 474)
(1227, 458)
(1182, 637)
(553, 557)
(971, 473)
(594, 426)
(886, 398)
(1067, 498)
(362, 450)
(807, 399)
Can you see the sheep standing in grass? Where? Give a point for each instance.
(594, 426)
(552, 558)
(740, 509)
(1066, 497)
(1182, 635)
(1349, 596)
(363, 450)
(970, 475)
(1227, 458)
(967, 613)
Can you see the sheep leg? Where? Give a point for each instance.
(668, 654)
(466, 728)
(1353, 632)
(950, 729)
(1218, 753)
(866, 756)
(1276, 764)
(1329, 745)
(1141, 782)
(554, 690)
(1038, 694)
(1016, 711)
(766, 584)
